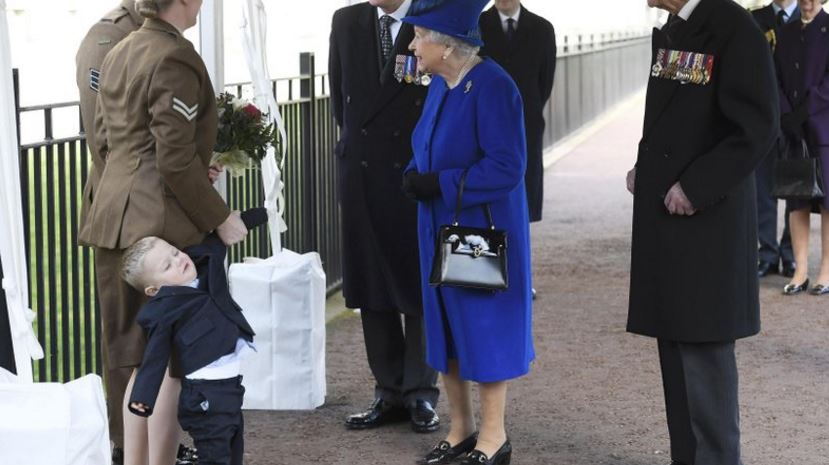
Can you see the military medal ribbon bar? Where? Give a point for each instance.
(682, 66)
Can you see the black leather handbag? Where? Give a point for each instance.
(470, 257)
(797, 175)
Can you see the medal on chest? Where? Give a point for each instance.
(682, 66)
(405, 70)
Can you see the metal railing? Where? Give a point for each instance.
(592, 74)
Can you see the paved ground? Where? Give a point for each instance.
(594, 395)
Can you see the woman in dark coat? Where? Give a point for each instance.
(472, 122)
(802, 61)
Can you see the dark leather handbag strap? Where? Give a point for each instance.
(485, 206)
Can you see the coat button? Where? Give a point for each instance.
(348, 99)
(398, 166)
(364, 131)
(364, 164)
(418, 102)
(796, 65)
(795, 94)
(396, 133)
(667, 155)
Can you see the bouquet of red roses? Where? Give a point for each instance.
(245, 133)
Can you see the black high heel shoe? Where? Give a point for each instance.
(502, 457)
(444, 452)
(792, 289)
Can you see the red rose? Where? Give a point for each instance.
(252, 111)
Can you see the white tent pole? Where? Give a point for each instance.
(211, 39)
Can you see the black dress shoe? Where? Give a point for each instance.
(117, 456)
(444, 452)
(766, 268)
(378, 414)
(187, 455)
(788, 269)
(423, 416)
(819, 289)
(502, 457)
(792, 289)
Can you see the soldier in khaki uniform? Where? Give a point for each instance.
(111, 29)
(155, 128)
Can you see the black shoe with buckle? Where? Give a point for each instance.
(444, 452)
(765, 268)
(379, 413)
(502, 457)
(792, 289)
(819, 289)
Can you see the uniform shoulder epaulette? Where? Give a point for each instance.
(116, 15)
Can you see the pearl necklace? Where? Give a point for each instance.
(467, 66)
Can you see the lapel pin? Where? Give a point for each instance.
(468, 87)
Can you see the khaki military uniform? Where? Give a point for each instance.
(155, 128)
(101, 38)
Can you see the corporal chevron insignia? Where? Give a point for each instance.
(94, 80)
(189, 113)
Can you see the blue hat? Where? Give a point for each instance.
(455, 18)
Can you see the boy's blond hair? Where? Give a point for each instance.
(132, 263)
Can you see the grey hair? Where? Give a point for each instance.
(132, 263)
(464, 49)
(151, 8)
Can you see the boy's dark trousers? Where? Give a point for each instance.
(211, 412)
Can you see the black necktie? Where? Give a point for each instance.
(510, 29)
(781, 18)
(385, 36)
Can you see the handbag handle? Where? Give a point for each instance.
(485, 206)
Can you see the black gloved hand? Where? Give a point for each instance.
(792, 125)
(421, 187)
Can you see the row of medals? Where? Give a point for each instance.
(405, 69)
(680, 68)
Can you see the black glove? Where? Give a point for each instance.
(791, 127)
(421, 187)
(254, 217)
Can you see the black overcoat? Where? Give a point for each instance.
(694, 279)
(530, 58)
(376, 114)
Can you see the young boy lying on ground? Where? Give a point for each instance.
(191, 317)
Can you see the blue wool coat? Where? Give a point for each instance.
(478, 125)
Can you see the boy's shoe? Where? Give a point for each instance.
(187, 455)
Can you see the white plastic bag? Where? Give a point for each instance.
(283, 299)
(54, 424)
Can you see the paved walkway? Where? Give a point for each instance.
(594, 395)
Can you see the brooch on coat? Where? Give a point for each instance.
(685, 67)
(405, 70)
(771, 37)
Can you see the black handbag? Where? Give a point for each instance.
(797, 175)
(470, 257)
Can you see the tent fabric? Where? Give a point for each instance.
(254, 33)
(12, 245)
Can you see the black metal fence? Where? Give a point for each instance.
(592, 75)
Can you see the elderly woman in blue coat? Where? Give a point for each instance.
(472, 123)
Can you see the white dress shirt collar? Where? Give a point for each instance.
(505, 18)
(399, 14)
(789, 11)
(687, 10)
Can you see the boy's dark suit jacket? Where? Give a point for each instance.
(197, 325)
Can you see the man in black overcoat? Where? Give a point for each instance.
(524, 44)
(377, 113)
(773, 253)
(708, 122)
